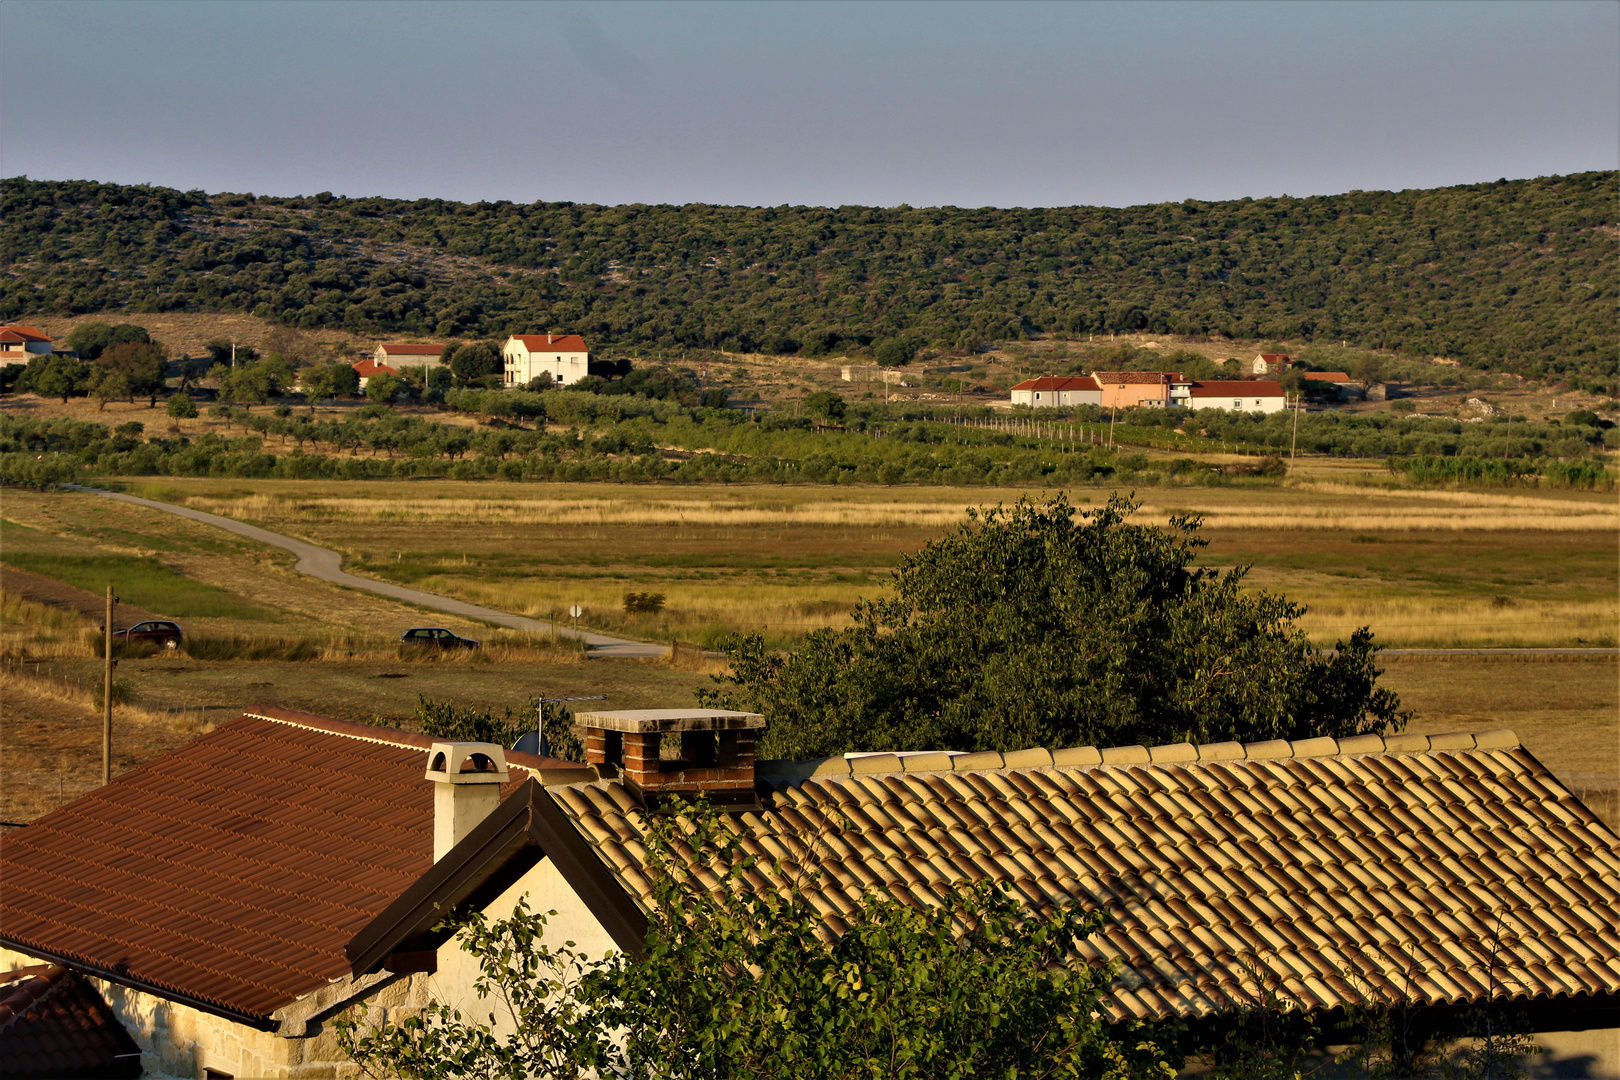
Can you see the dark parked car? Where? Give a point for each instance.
(155, 632)
(436, 637)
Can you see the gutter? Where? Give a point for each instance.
(259, 1023)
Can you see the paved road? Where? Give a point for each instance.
(327, 565)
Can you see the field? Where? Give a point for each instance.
(1423, 568)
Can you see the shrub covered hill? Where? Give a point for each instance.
(1513, 275)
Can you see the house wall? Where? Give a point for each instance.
(1235, 403)
(405, 360)
(178, 1042)
(523, 365)
(1115, 396)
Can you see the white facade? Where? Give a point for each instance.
(564, 356)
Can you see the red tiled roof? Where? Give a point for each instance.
(54, 1024)
(26, 333)
(234, 870)
(1236, 388)
(1158, 377)
(552, 342)
(1327, 376)
(1274, 357)
(368, 367)
(398, 349)
(1059, 382)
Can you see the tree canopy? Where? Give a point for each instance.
(1512, 275)
(1029, 627)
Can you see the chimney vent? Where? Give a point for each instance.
(717, 752)
(467, 779)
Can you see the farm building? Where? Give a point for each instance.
(291, 866)
(399, 355)
(20, 344)
(1270, 363)
(367, 368)
(1049, 392)
(564, 357)
(1127, 389)
(1237, 395)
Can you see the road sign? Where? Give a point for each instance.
(576, 611)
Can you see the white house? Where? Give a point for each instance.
(1270, 363)
(308, 865)
(367, 368)
(1237, 395)
(564, 356)
(20, 344)
(1055, 391)
(397, 354)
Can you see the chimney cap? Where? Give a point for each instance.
(648, 721)
(466, 763)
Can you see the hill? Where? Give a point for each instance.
(1513, 276)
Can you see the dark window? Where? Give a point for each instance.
(215, 1074)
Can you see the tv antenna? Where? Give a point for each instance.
(534, 742)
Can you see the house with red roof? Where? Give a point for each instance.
(1129, 389)
(367, 368)
(565, 357)
(20, 344)
(398, 354)
(1237, 395)
(1270, 363)
(1057, 391)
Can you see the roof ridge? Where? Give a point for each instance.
(1170, 753)
(409, 740)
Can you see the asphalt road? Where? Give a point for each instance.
(327, 565)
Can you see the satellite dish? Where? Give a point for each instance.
(528, 743)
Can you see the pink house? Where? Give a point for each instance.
(1128, 389)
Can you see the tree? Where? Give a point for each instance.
(257, 382)
(144, 367)
(222, 350)
(383, 387)
(110, 384)
(736, 982)
(181, 407)
(826, 405)
(56, 375)
(91, 339)
(1025, 627)
(331, 381)
(896, 351)
(474, 361)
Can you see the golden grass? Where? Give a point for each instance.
(1443, 624)
(14, 677)
(31, 631)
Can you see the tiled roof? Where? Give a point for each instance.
(26, 333)
(398, 349)
(1326, 376)
(562, 343)
(1059, 382)
(1236, 388)
(1274, 357)
(1366, 869)
(1158, 377)
(369, 367)
(233, 871)
(54, 1024)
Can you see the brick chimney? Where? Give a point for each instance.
(467, 779)
(716, 752)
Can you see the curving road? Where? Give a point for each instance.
(327, 565)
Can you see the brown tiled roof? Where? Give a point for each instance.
(369, 367)
(1365, 869)
(1236, 388)
(1274, 357)
(1326, 376)
(54, 1024)
(1059, 382)
(1154, 377)
(399, 349)
(26, 333)
(562, 343)
(232, 872)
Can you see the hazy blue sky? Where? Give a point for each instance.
(1002, 104)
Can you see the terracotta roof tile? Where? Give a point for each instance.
(1390, 861)
(54, 1024)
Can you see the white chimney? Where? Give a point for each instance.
(467, 779)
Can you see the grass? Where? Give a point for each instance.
(139, 580)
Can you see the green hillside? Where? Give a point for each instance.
(1517, 276)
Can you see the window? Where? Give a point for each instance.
(215, 1074)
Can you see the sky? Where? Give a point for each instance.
(925, 104)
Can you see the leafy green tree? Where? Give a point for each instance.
(1025, 627)
(383, 387)
(110, 384)
(91, 339)
(896, 351)
(474, 361)
(56, 375)
(143, 367)
(331, 381)
(182, 407)
(736, 983)
(257, 382)
(826, 405)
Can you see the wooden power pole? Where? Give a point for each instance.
(106, 694)
(1293, 440)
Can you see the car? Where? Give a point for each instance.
(436, 637)
(153, 631)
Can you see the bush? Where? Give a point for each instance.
(182, 407)
(643, 603)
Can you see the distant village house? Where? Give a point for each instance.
(1051, 392)
(20, 344)
(398, 355)
(1130, 389)
(1237, 395)
(1270, 363)
(367, 368)
(564, 356)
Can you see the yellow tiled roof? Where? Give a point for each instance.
(1326, 871)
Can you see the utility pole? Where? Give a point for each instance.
(1113, 414)
(106, 695)
(542, 747)
(1294, 439)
